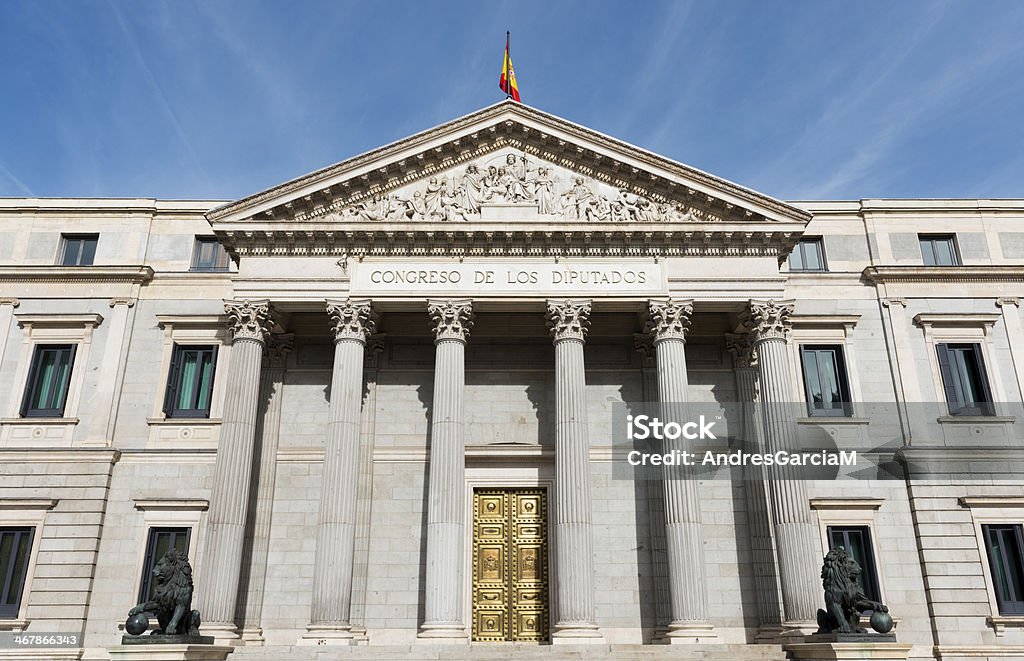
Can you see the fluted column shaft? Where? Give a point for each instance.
(352, 322)
(796, 535)
(668, 322)
(446, 526)
(250, 321)
(574, 547)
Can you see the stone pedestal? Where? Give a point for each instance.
(446, 529)
(849, 647)
(139, 648)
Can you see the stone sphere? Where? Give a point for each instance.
(137, 624)
(881, 622)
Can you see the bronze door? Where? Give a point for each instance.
(510, 565)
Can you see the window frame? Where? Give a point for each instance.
(841, 376)
(175, 375)
(11, 611)
(818, 241)
(946, 354)
(149, 560)
(868, 565)
(25, 513)
(1014, 607)
(931, 239)
(68, 352)
(66, 240)
(217, 267)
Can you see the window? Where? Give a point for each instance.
(828, 392)
(963, 378)
(15, 545)
(939, 250)
(49, 376)
(78, 249)
(1005, 545)
(190, 381)
(160, 541)
(209, 255)
(857, 542)
(808, 255)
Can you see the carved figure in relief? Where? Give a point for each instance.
(578, 200)
(472, 189)
(417, 207)
(432, 197)
(544, 190)
(491, 184)
(451, 209)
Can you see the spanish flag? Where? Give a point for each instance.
(507, 82)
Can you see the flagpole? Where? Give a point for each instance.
(508, 68)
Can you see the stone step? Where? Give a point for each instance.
(513, 652)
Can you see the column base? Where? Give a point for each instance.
(795, 631)
(332, 635)
(224, 633)
(688, 633)
(170, 652)
(443, 633)
(252, 636)
(768, 634)
(577, 633)
(359, 635)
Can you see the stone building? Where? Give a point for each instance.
(375, 405)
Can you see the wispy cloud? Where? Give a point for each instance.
(25, 190)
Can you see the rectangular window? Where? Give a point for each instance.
(190, 381)
(939, 250)
(160, 541)
(209, 255)
(963, 378)
(825, 384)
(808, 255)
(79, 249)
(857, 542)
(15, 548)
(1005, 546)
(48, 379)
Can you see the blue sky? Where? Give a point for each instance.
(800, 100)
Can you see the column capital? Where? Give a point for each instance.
(1004, 301)
(768, 320)
(276, 350)
(894, 300)
(122, 300)
(450, 319)
(568, 319)
(249, 320)
(741, 346)
(351, 319)
(644, 345)
(668, 319)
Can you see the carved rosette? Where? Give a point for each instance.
(768, 320)
(352, 319)
(741, 346)
(276, 350)
(568, 319)
(450, 319)
(668, 320)
(249, 320)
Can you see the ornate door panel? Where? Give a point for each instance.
(510, 576)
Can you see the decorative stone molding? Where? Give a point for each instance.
(768, 320)
(249, 320)
(1005, 301)
(644, 345)
(943, 274)
(891, 301)
(122, 300)
(13, 302)
(668, 320)
(741, 346)
(49, 274)
(568, 319)
(352, 319)
(276, 350)
(450, 319)
(374, 350)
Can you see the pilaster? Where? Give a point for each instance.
(1009, 306)
(107, 393)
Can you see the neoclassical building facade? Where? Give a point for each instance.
(376, 406)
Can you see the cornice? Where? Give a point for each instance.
(504, 124)
(533, 240)
(136, 275)
(944, 274)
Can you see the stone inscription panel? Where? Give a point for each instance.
(569, 277)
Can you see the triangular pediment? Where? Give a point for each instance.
(506, 165)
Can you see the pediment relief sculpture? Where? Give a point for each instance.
(517, 180)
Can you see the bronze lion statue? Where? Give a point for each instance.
(844, 601)
(172, 597)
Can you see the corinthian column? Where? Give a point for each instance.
(796, 535)
(667, 322)
(446, 530)
(574, 545)
(249, 324)
(352, 321)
